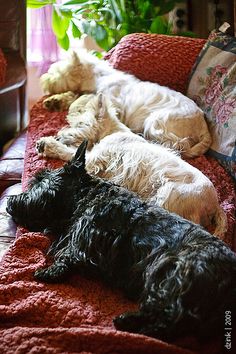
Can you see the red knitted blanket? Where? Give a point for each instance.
(76, 317)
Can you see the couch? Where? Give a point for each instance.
(71, 318)
(13, 114)
(12, 69)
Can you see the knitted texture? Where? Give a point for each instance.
(166, 60)
(3, 67)
(76, 316)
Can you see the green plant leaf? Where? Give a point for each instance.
(187, 34)
(107, 20)
(77, 2)
(99, 33)
(66, 13)
(159, 25)
(80, 11)
(60, 23)
(104, 44)
(98, 54)
(95, 30)
(116, 10)
(75, 31)
(164, 6)
(73, 2)
(122, 5)
(85, 26)
(64, 42)
(107, 11)
(36, 4)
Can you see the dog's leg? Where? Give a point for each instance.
(60, 102)
(74, 136)
(56, 272)
(156, 130)
(178, 133)
(139, 322)
(130, 322)
(59, 269)
(50, 147)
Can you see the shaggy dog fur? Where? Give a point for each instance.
(159, 113)
(154, 172)
(183, 277)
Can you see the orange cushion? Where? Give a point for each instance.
(166, 60)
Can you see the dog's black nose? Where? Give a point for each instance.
(9, 209)
(9, 205)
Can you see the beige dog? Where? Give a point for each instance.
(154, 172)
(159, 113)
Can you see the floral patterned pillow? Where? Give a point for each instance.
(213, 87)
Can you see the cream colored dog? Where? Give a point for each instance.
(159, 113)
(154, 172)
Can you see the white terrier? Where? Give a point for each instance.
(154, 172)
(159, 113)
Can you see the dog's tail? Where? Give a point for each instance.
(220, 222)
(200, 147)
(192, 145)
(187, 148)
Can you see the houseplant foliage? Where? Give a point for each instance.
(106, 20)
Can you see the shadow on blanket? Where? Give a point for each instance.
(65, 318)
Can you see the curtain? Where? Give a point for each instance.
(42, 48)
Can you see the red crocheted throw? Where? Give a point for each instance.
(76, 316)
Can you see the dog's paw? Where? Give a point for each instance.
(53, 274)
(40, 146)
(129, 322)
(48, 147)
(49, 275)
(51, 147)
(59, 102)
(52, 104)
(43, 275)
(69, 136)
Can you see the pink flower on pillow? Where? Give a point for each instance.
(217, 72)
(223, 109)
(213, 92)
(214, 83)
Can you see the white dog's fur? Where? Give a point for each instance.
(154, 172)
(159, 113)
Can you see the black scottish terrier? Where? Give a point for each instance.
(183, 277)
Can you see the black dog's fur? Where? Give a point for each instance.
(183, 277)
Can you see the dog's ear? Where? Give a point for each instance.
(75, 57)
(78, 161)
(102, 107)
